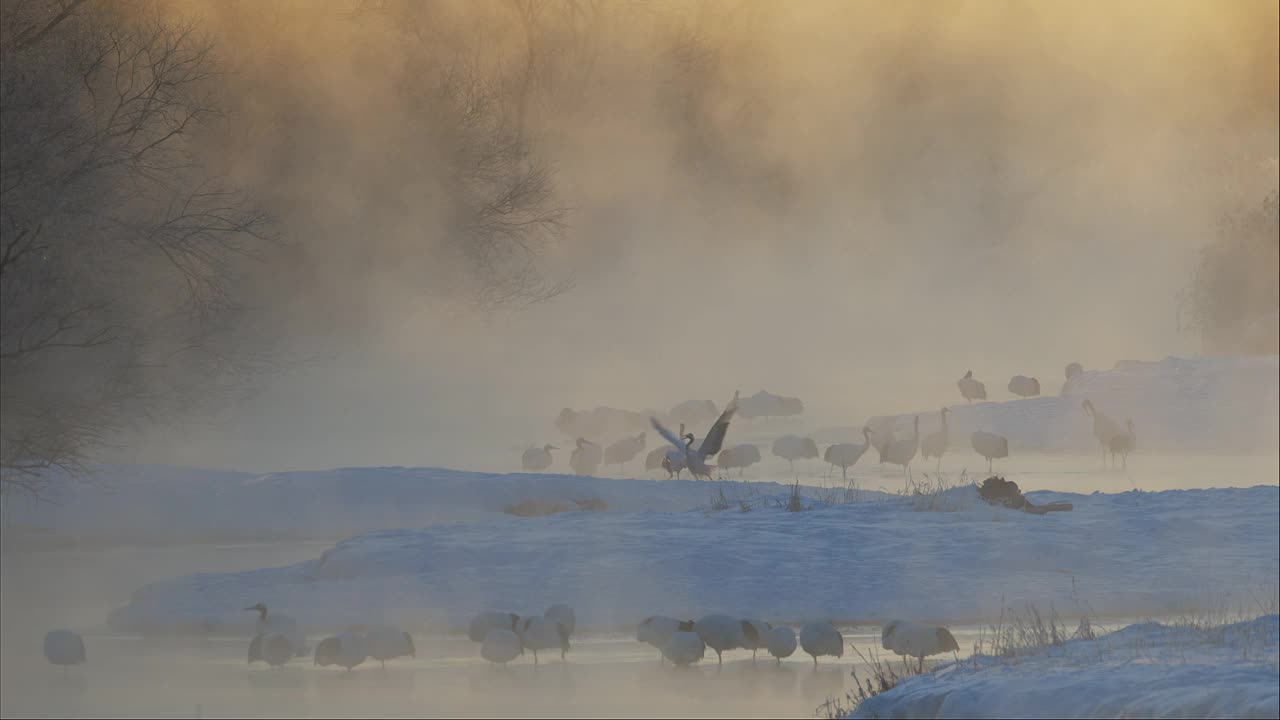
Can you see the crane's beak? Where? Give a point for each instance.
(249, 608)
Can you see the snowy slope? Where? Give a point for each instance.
(1202, 404)
(1147, 670)
(1128, 554)
(152, 503)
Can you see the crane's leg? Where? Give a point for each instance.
(988, 464)
(815, 662)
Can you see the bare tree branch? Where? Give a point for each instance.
(117, 250)
(30, 36)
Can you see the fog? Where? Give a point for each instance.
(852, 203)
(607, 673)
(375, 233)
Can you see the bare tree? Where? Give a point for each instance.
(118, 254)
(1235, 292)
(472, 111)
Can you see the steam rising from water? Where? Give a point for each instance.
(849, 202)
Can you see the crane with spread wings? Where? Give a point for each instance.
(696, 458)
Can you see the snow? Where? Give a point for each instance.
(1184, 404)
(1145, 670)
(1216, 404)
(153, 503)
(1127, 554)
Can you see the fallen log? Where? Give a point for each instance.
(998, 491)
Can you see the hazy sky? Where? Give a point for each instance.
(849, 202)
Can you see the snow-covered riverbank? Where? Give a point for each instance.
(1128, 554)
(1146, 670)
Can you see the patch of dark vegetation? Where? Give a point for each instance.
(534, 507)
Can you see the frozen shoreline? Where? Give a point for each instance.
(1144, 670)
(1127, 554)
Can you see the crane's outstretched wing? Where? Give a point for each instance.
(671, 438)
(715, 436)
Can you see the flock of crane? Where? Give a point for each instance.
(503, 637)
(277, 640)
(685, 642)
(684, 453)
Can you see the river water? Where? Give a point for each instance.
(606, 673)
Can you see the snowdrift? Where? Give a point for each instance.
(1147, 670)
(1125, 554)
(1201, 404)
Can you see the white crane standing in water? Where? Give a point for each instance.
(622, 451)
(1104, 428)
(912, 639)
(902, 452)
(971, 389)
(537, 459)
(64, 647)
(283, 625)
(1122, 443)
(989, 445)
(935, 443)
(695, 459)
(586, 457)
(847, 454)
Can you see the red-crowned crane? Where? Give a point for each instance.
(622, 451)
(971, 389)
(847, 454)
(902, 452)
(935, 443)
(586, 457)
(1104, 428)
(990, 446)
(912, 639)
(537, 459)
(695, 459)
(1123, 443)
